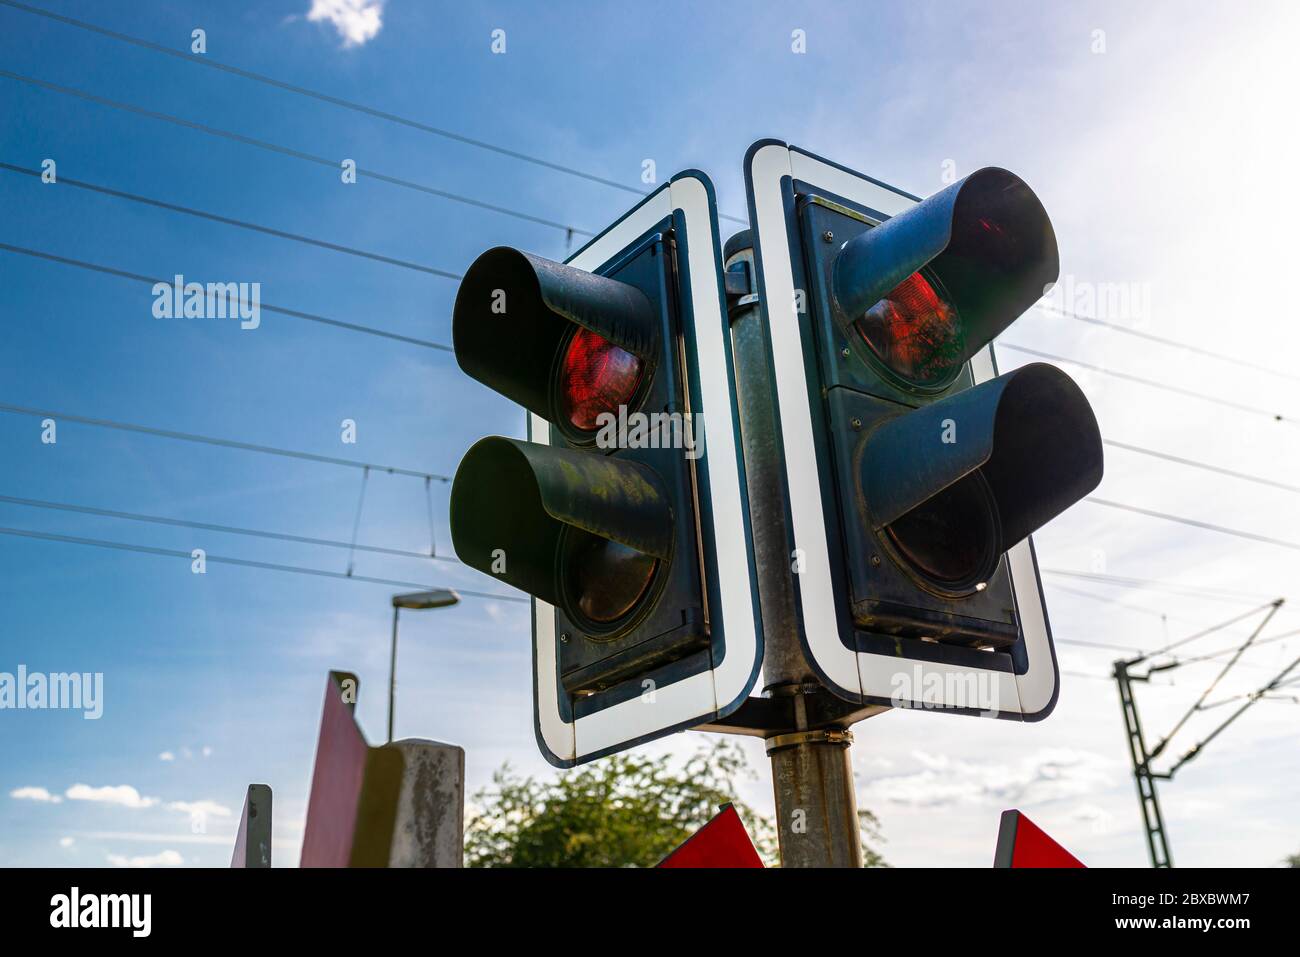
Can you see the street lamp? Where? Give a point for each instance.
(438, 598)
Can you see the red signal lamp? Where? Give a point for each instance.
(915, 332)
(596, 377)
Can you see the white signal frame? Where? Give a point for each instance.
(770, 166)
(715, 693)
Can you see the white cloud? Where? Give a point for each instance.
(34, 794)
(203, 808)
(207, 750)
(122, 794)
(1090, 813)
(1046, 775)
(168, 858)
(356, 20)
(166, 756)
(67, 841)
(159, 837)
(1100, 819)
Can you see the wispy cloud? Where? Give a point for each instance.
(1043, 776)
(168, 858)
(186, 752)
(158, 837)
(357, 21)
(34, 794)
(203, 808)
(122, 794)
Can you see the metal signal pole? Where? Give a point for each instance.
(812, 775)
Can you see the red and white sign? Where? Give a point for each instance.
(1022, 843)
(723, 842)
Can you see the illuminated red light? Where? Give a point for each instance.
(596, 376)
(915, 332)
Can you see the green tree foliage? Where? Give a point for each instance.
(622, 811)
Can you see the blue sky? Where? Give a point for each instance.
(1163, 158)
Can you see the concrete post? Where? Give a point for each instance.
(430, 825)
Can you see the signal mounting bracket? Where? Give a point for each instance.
(777, 713)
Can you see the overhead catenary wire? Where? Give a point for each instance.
(1108, 678)
(1204, 466)
(214, 64)
(1271, 639)
(1125, 606)
(332, 163)
(266, 306)
(1164, 618)
(242, 562)
(1271, 607)
(428, 504)
(1195, 523)
(214, 440)
(1254, 697)
(64, 180)
(1294, 699)
(1164, 386)
(216, 527)
(1177, 588)
(1106, 646)
(1172, 343)
(1133, 649)
(207, 61)
(1084, 674)
(356, 522)
(1107, 600)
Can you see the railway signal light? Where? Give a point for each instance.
(611, 516)
(932, 469)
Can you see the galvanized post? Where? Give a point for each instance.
(812, 776)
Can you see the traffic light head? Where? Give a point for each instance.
(632, 541)
(930, 287)
(592, 521)
(931, 470)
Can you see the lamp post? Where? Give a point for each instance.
(438, 598)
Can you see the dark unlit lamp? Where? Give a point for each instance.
(438, 598)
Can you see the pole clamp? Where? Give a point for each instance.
(822, 736)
